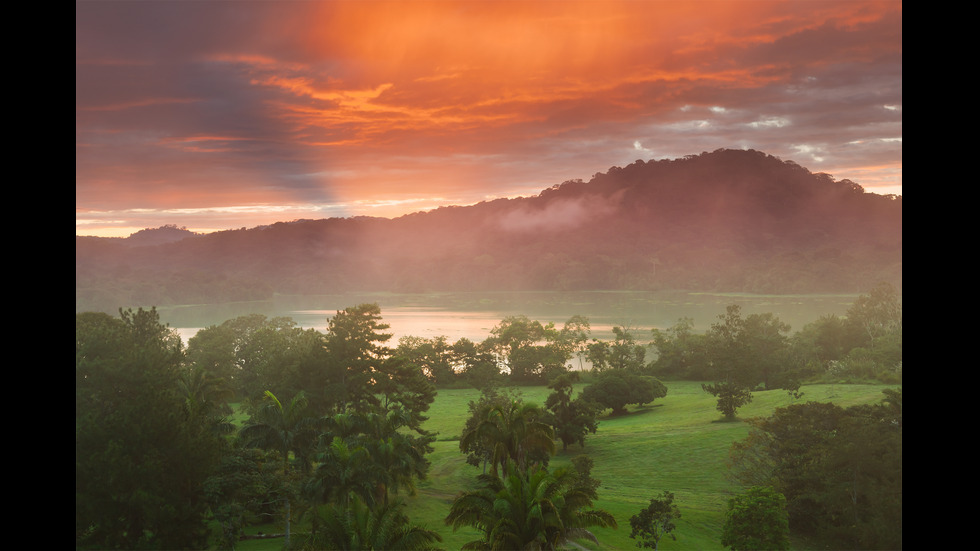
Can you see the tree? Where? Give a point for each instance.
(840, 469)
(477, 364)
(285, 429)
(511, 430)
(532, 510)
(654, 522)
(245, 351)
(765, 344)
(343, 469)
(756, 520)
(141, 455)
(622, 353)
(571, 419)
(353, 526)
(516, 342)
(575, 335)
(355, 343)
(617, 388)
(401, 385)
(681, 352)
(479, 449)
(731, 396)
(246, 487)
(433, 357)
(877, 313)
(206, 397)
(744, 352)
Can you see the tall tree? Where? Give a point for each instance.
(141, 456)
(355, 341)
(400, 385)
(286, 429)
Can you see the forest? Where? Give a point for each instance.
(728, 220)
(258, 422)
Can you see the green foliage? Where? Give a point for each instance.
(877, 313)
(839, 468)
(254, 353)
(571, 419)
(355, 341)
(756, 520)
(477, 365)
(434, 357)
(533, 509)
(622, 353)
(731, 396)
(354, 526)
(681, 352)
(245, 489)
(286, 429)
(511, 430)
(516, 341)
(141, 455)
(617, 388)
(656, 521)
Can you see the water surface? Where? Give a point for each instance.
(473, 315)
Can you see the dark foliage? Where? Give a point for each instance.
(840, 470)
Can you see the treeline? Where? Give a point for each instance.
(729, 220)
(758, 351)
(335, 424)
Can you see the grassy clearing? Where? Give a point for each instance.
(680, 444)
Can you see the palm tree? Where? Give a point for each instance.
(357, 527)
(392, 458)
(284, 429)
(531, 511)
(514, 431)
(342, 470)
(206, 396)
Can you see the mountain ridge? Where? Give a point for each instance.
(729, 220)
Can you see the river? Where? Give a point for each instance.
(473, 315)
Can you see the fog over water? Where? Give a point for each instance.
(473, 315)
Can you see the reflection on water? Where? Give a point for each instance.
(473, 315)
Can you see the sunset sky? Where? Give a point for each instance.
(213, 115)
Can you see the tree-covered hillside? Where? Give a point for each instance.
(730, 220)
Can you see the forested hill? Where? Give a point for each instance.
(730, 220)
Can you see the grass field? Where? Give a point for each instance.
(679, 443)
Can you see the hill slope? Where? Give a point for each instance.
(730, 220)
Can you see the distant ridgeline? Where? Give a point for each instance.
(730, 220)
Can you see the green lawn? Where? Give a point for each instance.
(679, 443)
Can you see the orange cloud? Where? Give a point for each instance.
(393, 103)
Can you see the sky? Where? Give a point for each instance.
(223, 114)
